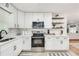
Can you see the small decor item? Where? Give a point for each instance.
(76, 31)
(56, 15)
(48, 31)
(61, 32)
(53, 25)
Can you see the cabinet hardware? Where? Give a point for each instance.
(23, 42)
(14, 48)
(61, 42)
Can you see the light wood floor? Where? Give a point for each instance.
(74, 46)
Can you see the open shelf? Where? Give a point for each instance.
(57, 18)
(57, 22)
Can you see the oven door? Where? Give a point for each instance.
(37, 42)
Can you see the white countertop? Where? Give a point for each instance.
(12, 36)
(54, 35)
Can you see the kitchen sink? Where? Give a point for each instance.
(6, 39)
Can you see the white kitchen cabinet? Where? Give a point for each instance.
(28, 20)
(12, 48)
(20, 19)
(64, 43)
(17, 47)
(31, 17)
(56, 43)
(50, 43)
(27, 43)
(13, 18)
(6, 49)
(38, 16)
(16, 19)
(48, 20)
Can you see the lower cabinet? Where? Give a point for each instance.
(27, 43)
(56, 43)
(17, 47)
(7, 49)
(12, 48)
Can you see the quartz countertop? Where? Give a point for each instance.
(53, 35)
(12, 36)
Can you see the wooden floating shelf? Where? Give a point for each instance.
(57, 18)
(57, 23)
(57, 28)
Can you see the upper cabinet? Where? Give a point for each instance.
(28, 20)
(20, 19)
(13, 18)
(38, 16)
(16, 19)
(11, 14)
(48, 20)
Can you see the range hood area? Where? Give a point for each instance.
(26, 31)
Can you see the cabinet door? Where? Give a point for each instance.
(48, 20)
(64, 43)
(20, 19)
(48, 43)
(12, 21)
(38, 16)
(7, 49)
(27, 43)
(13, 18)
(28, 20)
(17, 47)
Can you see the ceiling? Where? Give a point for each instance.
(71, 10)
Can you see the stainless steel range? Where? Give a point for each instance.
(38, 40)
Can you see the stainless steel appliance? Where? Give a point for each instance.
(38, 40)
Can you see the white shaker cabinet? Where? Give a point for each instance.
(12, 48)
(17, 47)
(50, 43)
(7, 49)
(38, 16)
(56, 42)
(13, 18)
(48, 20)
(64, 43)
(27, 43)
(28, 20)
(20, 19)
